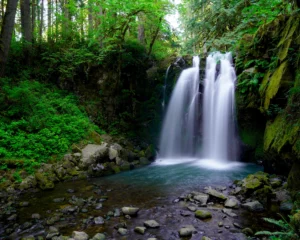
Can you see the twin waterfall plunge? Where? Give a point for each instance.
(200, 126)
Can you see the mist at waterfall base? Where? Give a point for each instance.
(199, 127)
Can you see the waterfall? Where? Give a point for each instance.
(218, 108)
(164, 88)
(179, 126)
(181, 130)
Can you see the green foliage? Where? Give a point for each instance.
(17, 177)
(38, 122)
(287, 230)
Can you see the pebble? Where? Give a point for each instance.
(98, 206)
(220, 224)
(237, 225)
(99, 220)
(122, 231)
(140, 230)
(151, 224)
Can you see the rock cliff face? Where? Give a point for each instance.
(268, 99)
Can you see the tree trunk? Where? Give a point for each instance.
(49, 32)
(90, 17)
(33, 19)
(6, 33)
(26, 21)
(141, 31)
(41, 22)
(154, 36)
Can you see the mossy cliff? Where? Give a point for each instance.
(268, 97)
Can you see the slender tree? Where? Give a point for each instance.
(6, 33)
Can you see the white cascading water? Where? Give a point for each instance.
(177, 136)
(218, 109)
(181, 127)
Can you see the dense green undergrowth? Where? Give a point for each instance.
(38, 122)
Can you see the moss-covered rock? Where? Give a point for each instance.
(43, 181)
(255, 181)
(294, 177)
(201, 214)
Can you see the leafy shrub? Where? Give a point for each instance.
(38, 121)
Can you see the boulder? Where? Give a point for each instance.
(151, 224)
(131, 211)
(140, 230)
(43, 181)
(186, 231)
(216, 194)
(80, 235)
(254, 181)
(98, 236)
(28, 182)
(201, 214)
(93, 153)
(122, 231)
(201, 198)
(254, 206)
(231, 203)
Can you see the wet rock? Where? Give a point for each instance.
(151, 224)
(286, 206)
(237, 225)
(275, 182)
(192, 208)
(12, 217)
(122, 231)
(140, 230)
(220, 224)
(80, 235)
(117, 213)
(93, 153)
(216, 194)
(99, 220)
(236, 191)
(98, 206)
(144, 161)
(229, 212)
(53, 219)
(205, 238)
(201, 198)
(254, 206)
(24, 204)
(131, 211)
(70, 190)
(201, 214)
(28, 182)
(248, 231)
(254, 181)
(185, 213)
(53, 231)
(227, 227)
(221, 188)
(36, 216)
(98, 236)
(231, 203)
(58, 200)
(113, 153)
(187, 231)
(43, 181)
(282, 196)
(152, 239)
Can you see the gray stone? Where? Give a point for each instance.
(58, 200)
(254, 206)
(131, 211)
(28, 182)
(201, 214)
(237, 225)
(98, 206)
(80, 235)
(99, 220)
(144, 161)
(216, 194)
(98, 236)
(236, 191)
(192, 208)
(113, 153)
(12, 217)
(151, 224)
(286, 206)
(122, 231)
(36, 216)
(220, 224)
(185, 213)
(186, 231)
(229, 212)
(275, 182)
(201, 198)
(24, 204)
(205, 238)
(93, 153)
(140, 230)
(231, 203)
(53, 232)
(117, 212)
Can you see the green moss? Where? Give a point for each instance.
(264, 84)
(43, 181)
(274, 84)
(202, 214)
(279, 133)
(255, 181)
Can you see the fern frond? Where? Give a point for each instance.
(278, 223)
